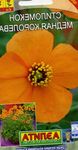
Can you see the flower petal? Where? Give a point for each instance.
(52, 103)
(31, 46)
(64, 60)
(11, 90)
(71, 14)
(11, 66)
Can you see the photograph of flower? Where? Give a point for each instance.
(44, 72)
(15, 118)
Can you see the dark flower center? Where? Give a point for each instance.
(40, 74)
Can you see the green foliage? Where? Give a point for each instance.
(1, 107)
(11, 128)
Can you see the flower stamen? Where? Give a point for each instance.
(40, 74)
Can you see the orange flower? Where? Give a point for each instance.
(19, 112)
(14, 118)
(14, 107)
(4, 114)
(31, 71)
(68, 7)
(10, 112)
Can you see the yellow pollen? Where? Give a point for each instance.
(40, 74)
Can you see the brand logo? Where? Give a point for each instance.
(32, 138)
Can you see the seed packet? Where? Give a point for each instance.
(38, 74)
